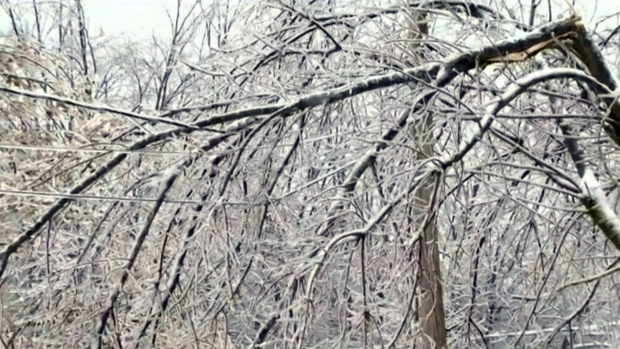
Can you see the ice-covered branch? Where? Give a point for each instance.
(592, 196)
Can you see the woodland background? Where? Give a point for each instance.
(311, 174)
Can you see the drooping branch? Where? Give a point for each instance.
(96, 339)
(99, 174)
(592, 196)
(441, 163)
(92, 106)
(506, 50)
(437, 73)
(587, 52)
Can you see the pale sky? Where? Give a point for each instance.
(140, 18)
(132, 17)
(143, 16)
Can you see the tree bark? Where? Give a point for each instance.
(431, 313)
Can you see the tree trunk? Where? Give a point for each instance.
(431, 313)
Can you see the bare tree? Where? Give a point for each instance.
(431, 314)
(286, 174)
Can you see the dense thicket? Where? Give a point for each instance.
(285, 174)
